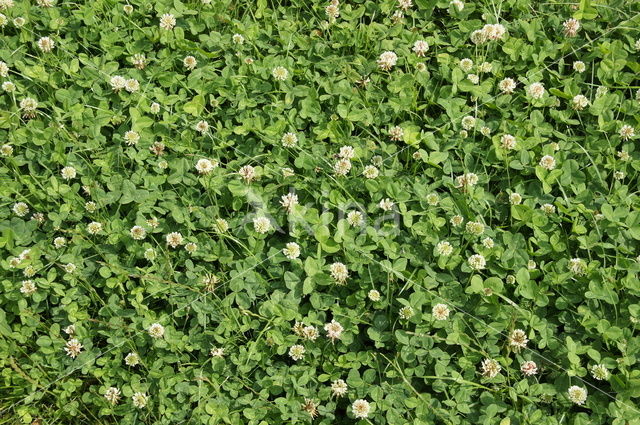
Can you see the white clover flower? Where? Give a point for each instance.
(508, 142)
(507, 86)
(466, 64)
(396, 133)
(374, 295)
(139, 60)
(342, 167)
(370, 172)
(205, 166)
(332, 11)
(485, 67)
(202, 126)
(190, 62)
(3, 20)
(477, 262)
(494, 31)
(627, 132)
(280, 73)
(69, 268)
(59, 242)
(518, 340)
(287, 172)
(456, 220)
(515, 198)
(174, 239)
(579, 102)
(420, 47)
(387, 60)
(28, 287)
(536, 90)
(94, 228)
(191, 247)
(132, 85)
(296, 352)
(354, 218)
(334, 330)
(440, 312)
(406, 312)
(579, 67)
(468, 122)
(529, 368)
(577, 266)
(20, 209)
(347, 152)
(154, 108)
(131, 137)
(73, 348)
(490, 368)
(473, 78)
(117, 82)
(261, 225)
(112, 395)
(386, 204)
(222, 225)
(618, 175)
(339, 388)
(6, 150)
(289, 140)
(475, 227)
(4, 69)
(29, 105)
(577, 395)
(8, 87)
(46, 44)
(68, 173)
(248, 173)
(291, 250)
(128, 9)
(132, 359)
(623, 155)
(360, 408)
(600, 372)
(289, 201)
(485, 131)
(432, 199)
(217, 352)
(167, 22)
(156, 330)
(139, 400)
(339, 272)
(548, 208)
(571, 27)
(444, 248)
(548, 162)
(237, 39)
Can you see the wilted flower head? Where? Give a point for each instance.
(571, 27)
(396, 133)
(420, 47)
(529, 368)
